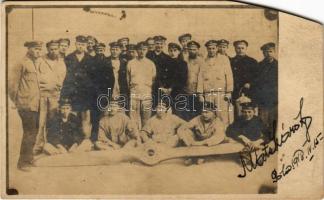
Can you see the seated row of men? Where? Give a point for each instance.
(117, 130)
(39, 81)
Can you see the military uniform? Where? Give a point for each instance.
(64, 133)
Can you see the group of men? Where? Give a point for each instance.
(86, 101)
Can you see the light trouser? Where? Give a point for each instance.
(30, 121)
(225, 109)
(140, 111)
(48, 106)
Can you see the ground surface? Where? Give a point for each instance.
(217, 176)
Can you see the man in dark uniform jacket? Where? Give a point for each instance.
(244, 70)
(165, 73)
(248, 128)
(181, 73)
(184, 39)
(266, 86)
(78, 85)
(102, 77)
(123, 42)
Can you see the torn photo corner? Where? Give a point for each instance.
(160, 100)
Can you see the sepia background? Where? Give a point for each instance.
(172, 177)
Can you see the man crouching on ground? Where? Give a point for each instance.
(64, 132)
(204, 130)
(116, 130)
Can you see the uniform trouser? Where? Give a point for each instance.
(85, 117)
(30, 122)
(47, 108)
(140, 111)
(225, 110)
(269, 117)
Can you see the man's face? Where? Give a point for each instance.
(123, 45)
(247, 114)
(184, 42)
(207, 115)
(115, 52)
(212, 51)
(81, 46)
(35, 52)
(100, 51)
(240, 49)
(91, 44)
(193, 51)
(114, 108)
(222, 49)
(64, 46)
(65, 110)
(132, 53)
(53, 51)
(161, 111)
(151, 45)
(159, 45)
(269, 53)
(141, 52)
(174, 53)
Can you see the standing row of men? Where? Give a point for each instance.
(139, 76)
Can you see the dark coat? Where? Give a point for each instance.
(78, 85)
(64, 133)
(244, 70)
(253, 129)
(181, 76)
(266, 84)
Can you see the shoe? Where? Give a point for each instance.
(200, 161)
(25, 166)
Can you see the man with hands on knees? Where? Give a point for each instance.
(64, 131)
(204, 130)
(116, 130)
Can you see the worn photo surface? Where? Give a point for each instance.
(148, 99)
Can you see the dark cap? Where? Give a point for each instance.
(222, 42)
(114, 44)
(52, 42)
(172, 45)
(248, 105)
(64, 101)
(89, 37)
(193, 43)
(131, 47)
(100, 45)
(141, 45)
(268, 46)
(123, 39)
(81, 38)
(62, 40)
(34, 43)
(183, 36)
(210, 43)
(209, 106)
(159, 38)
(239, 42)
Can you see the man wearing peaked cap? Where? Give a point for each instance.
(244, 70)
(150, 44)
(78, 85)
(216, 75)
(131, 52)
(123, 46)
(141, 73)
(92, 42)
(248, 128)
(27, 98)
(184, 39)
(222, 46)
(64, 46)
(266, 85)
(194, 132)
(193, 43)
(100, 48)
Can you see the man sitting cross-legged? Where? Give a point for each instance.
(204, 130)
(116, 130)
(162, 127)
(64, 132)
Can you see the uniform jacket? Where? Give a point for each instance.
(244, 70)
(181, 76)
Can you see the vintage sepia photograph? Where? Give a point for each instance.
(144, 99)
